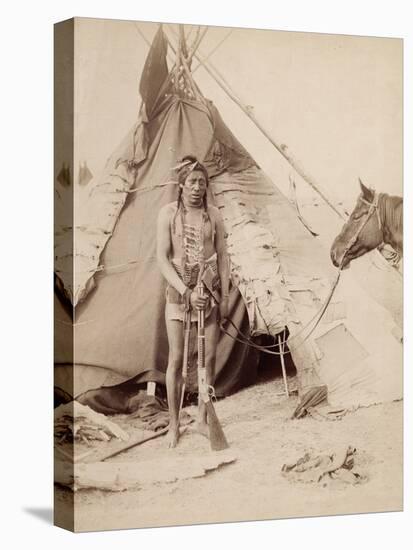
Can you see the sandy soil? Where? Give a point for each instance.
(260, 432)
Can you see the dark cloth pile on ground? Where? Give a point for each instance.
(313, 468)
(312, 398)
(151, 410)
(315, 403)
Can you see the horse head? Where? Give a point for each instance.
(361, 233)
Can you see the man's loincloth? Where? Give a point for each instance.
(175, 301)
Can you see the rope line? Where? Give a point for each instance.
(265, 349)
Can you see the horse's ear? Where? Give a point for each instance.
(367, 193)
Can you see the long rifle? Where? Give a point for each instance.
(217, 437)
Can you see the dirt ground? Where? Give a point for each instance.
(257, 423)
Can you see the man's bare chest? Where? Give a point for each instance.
(192, 233)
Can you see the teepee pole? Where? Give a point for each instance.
(196, 44)
(281, 148)
(213, 50)
(138, 30)
(194, 47)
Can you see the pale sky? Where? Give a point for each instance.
(336, 101)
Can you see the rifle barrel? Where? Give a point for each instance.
(217, 437)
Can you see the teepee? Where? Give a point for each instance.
(282, 275)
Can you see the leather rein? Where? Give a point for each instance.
(373, 208)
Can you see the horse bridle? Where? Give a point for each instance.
(373, 208)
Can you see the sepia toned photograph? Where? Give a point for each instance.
(228, 285)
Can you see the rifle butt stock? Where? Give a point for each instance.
(217, 439)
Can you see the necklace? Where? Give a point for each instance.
(192, 246)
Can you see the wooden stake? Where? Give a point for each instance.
(132, 444)
(281, 346)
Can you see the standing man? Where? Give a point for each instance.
(190, 236)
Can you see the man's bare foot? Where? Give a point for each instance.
(202, 428)
(172, 437)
